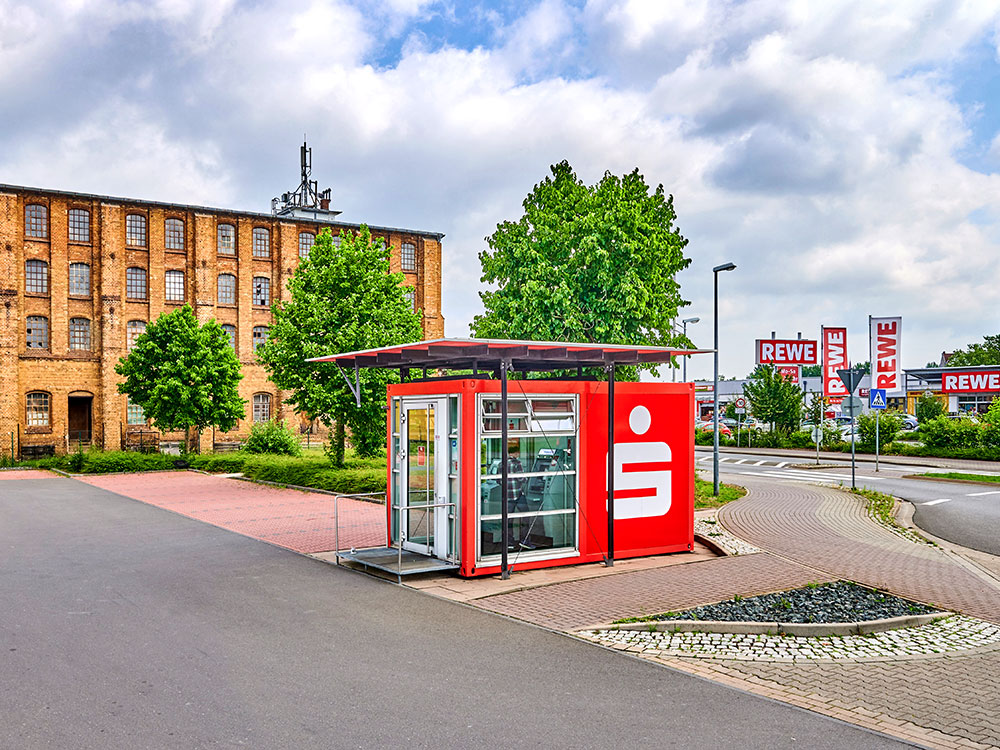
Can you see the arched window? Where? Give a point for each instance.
(306, 240)
(133, 331)
(227, 289)
(79, 334)
(135, 283)
(79, 280)
(259, 336)
(261, 243)
(173, 231)
(226, 242)
(135, 230)
(408, 256)
(79, 225)
(174, 284)
(231, 333)
(37, 332)
(36, 277)
(36, 409)
(261, 407)
(261, 291)
(36, 221)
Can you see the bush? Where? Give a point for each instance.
(943, 432)
(800, 439)
(220, 463)
(991, 425)
(357, 477)
(890, 423)
(272, 437)
(928, 407)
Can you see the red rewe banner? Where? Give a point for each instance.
(970, 382)
(887, 367)
(786, 352)
(834, 358)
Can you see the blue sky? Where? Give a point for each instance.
(844, 154)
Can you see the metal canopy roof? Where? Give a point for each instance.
(488, 354)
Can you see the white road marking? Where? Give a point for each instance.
(760, 463)
(742, 461)
(980, 494)
(781, 464)
(935, 502)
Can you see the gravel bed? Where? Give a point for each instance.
(840, 601)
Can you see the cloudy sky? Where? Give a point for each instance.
(845, 155)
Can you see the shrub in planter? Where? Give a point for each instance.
(943, 432)
(889, 425)
(272, 437)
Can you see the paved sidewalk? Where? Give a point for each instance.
(812, 533)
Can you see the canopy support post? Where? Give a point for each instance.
(610, 559)
(354, 387)
(504, 459)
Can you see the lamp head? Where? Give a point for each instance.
(690, 320)
(724, 267)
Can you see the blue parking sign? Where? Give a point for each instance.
(876, 398)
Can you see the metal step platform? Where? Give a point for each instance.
(390, 560)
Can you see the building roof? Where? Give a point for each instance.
(487, 354)
(192, 207)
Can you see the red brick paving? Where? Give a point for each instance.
(830, 530)
(299, 521)
(25, 474)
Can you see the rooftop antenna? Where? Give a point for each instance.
(306, 199)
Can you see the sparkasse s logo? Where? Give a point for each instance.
(642, 472)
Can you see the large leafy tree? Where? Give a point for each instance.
(986, 353)
(343, 299)
(585, 263)
(773, 398)
(184, 375)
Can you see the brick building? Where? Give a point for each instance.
(81, 276)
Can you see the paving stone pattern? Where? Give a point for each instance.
(578, 604)
(296, 520)
(827, 529)
(951, 635)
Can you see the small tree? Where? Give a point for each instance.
(184, 375)
(986, 353)
(889, 425)
(586, 263)
(928, 407)
(343, 299)
(773, 398)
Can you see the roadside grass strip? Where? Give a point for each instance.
(983, 478)
(948, 635)
(882, 509)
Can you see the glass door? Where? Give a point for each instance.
(424, 515)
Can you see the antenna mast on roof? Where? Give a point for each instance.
(306, 201)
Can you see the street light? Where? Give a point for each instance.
(685, 322)
(715, 388)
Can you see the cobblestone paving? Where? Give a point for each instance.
(830, 530)
(578, 604)
(953, 634)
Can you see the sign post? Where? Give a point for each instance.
(876, 401)
(851, 405)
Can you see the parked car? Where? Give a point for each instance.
(909, 422)
(709, 426)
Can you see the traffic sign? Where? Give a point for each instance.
(851, 378)
(741, 406)
(817, 434)
(851, 407)
(876, 398)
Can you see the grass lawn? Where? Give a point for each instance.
(703, 497)
(985, 478)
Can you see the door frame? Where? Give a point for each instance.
(440, 547)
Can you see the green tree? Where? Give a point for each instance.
(986, 353)
(928, 407)
(811, 371)
(991, 424)
(184, 375)
(343, 299)
(585, 263)
(889, 425)
(773, 398)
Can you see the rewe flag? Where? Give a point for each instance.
(886, 357)
(834, 358)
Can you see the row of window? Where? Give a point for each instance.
(38, 409)
(37, 333)
(36, 225)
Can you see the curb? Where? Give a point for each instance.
(922, 478)
(809, 629)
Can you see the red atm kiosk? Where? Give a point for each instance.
(489, 473)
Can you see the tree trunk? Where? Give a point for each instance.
(339, 442)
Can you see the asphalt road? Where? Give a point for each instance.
(966, 514)
(126, 626)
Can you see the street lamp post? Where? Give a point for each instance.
(685, 322)
(715, 388)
